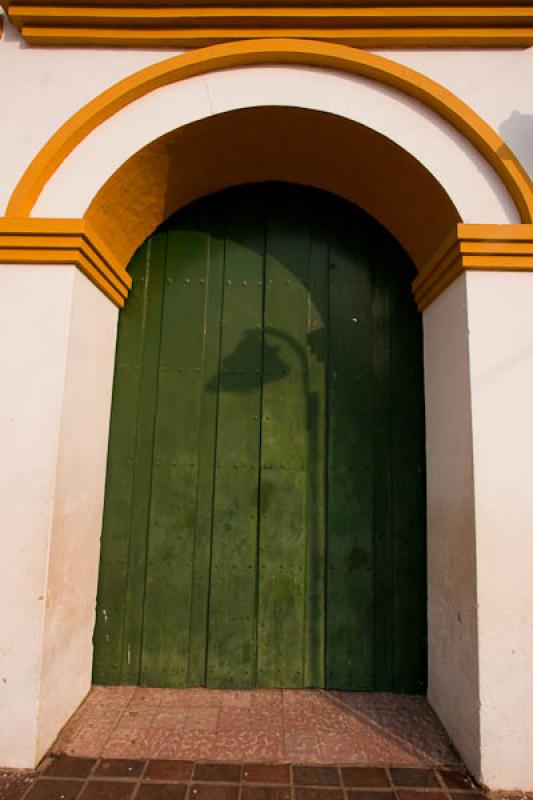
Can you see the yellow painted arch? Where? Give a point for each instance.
(275, 51)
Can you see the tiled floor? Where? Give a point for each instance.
(294, 726)
(71, 778)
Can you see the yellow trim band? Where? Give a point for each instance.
(352, 22)
(474, 247)
(275, 51)
(72, 242)
(64, 241)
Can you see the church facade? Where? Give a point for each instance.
(306, 458)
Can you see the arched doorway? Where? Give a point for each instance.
(264, 521)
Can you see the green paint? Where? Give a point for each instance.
(264, 515)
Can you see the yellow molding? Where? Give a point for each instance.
(474, 247)
(279, 16)
(68, 241)
(275, 51)
(204, 37)
(360, 24)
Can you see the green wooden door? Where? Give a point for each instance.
(264, 519)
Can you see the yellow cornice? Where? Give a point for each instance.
(507, 248)
(503, 248)
(356, 23)
(64, 241)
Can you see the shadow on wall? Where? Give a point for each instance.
(517, 132)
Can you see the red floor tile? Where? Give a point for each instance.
(312, 793)
(214, 792)
(266, 773)
(55, 789)
(420, 794)
(119, 768)
(71, 767)
(302, 726)
(315, 776)
(162, 791)
(365, 777)
(168, 770)
(108, 790)
(265, 793)
(456, 780)
(221, 773)
(415, 778)
(14, 784)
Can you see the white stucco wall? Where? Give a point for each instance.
(478, 346)
(477, 193)
(453, 687)
(57, 341)
(500, 322)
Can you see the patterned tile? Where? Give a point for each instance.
(236, 699)
(136, 718)
(171, 718)
(196, 746)
(338, 747)
(302, 747)
(201, 719)
(249, 745)
(260, 725)
(234, 719)
(87, 743)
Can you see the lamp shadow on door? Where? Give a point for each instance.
(233, 379)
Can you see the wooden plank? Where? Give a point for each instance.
(284, 446)
(383, 273)
(316, 491)
(349, 602)
(232, 603)
(408, 464)
(214, 282)
(122, 563)
(173, 510)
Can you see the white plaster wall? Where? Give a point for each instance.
(500, 321)
(494, 83)
(452, 604)
(40, 88)
(477, 193)
(35, 306)
(78, 509)
(56, 360)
